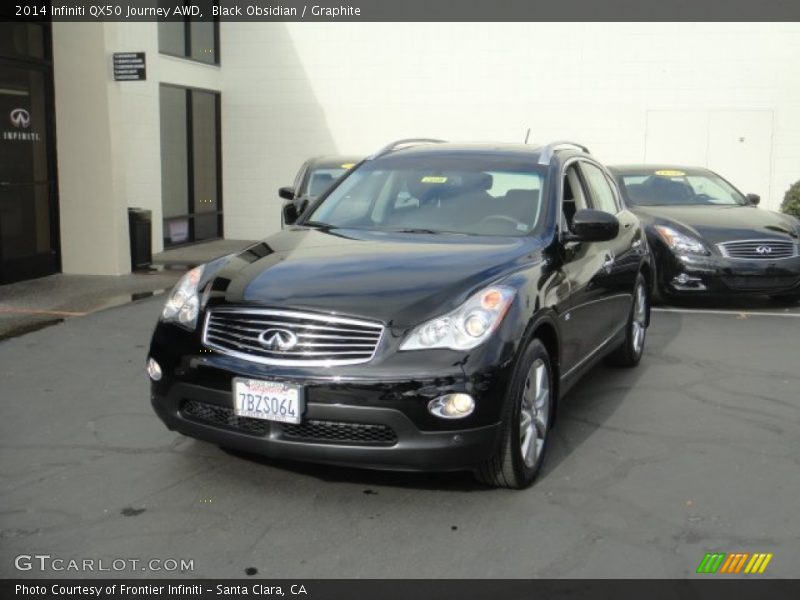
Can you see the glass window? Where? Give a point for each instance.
(321, 179)
(714, 190)
(477, 196)
(202, 36)
(174, 152)
(172, 37)
(603, 197)
(204, 163)
(674, 187)
(186, 38)
(190, 174)
(22, 40)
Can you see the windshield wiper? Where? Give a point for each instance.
(415, 230)
(317, 224)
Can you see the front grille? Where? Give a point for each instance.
(759, 249)
(335, 432)
(325, 432)
(764, 284)
(283, 337)
(223, 417)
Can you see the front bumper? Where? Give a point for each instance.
(717, 275)
(397, 444)
(372, 416)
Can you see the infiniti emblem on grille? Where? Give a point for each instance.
(278, 339)
(764, 250)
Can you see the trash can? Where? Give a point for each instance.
(140, 224)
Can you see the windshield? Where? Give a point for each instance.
(476, 195)
(321, 179)
(670, 187)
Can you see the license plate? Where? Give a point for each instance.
(268, 400)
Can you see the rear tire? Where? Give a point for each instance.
(527, 416)
(630, 352)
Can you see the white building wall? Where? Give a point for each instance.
(294, 90)
(109, 140)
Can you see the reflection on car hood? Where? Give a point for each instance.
(718, 224)
(385, 276)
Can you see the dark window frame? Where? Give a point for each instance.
(187, 43)
(193, 214)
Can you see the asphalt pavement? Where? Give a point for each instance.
(696, 450)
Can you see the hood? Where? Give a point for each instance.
(717, 224)
(385, 276)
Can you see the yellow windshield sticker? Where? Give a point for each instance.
(670, 173)
(432, 179)
(348, 165)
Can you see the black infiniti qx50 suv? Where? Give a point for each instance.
(425, 313)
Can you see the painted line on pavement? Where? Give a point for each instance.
(27, 311)
(737, 313)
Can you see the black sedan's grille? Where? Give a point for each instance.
(321, 432)
(285, 337)
(335, 432)
(760, 284)
(759, 249)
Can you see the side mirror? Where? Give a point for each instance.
(290, 213)
(287, 193)
(594, 226)
(753, 199)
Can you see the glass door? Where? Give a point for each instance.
(28, 226)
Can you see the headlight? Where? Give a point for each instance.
(680, 242)
(183, 304)
(468, 326)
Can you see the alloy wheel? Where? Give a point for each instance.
(639, 321)
(534, 412)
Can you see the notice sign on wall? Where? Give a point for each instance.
(129, 66)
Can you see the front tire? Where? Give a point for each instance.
(527, 416)
(630, 352)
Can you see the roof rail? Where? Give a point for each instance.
(550, 149)
(395, 145)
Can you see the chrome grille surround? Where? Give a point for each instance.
(749, 249)
(323, 340)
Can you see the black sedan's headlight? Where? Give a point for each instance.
(679, 242)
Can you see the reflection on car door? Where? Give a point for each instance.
(621, 255)
(584, 317)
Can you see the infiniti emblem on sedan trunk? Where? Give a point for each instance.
(278, 339)
(764, 250)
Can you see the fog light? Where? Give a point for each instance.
(452, 406)
(153, 369)
(683, 279)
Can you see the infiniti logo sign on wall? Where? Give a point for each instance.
(20, 118)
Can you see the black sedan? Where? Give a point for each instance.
(426, 313)
(314, 177)
(708, 238)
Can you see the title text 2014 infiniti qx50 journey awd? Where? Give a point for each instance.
(425, 313)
